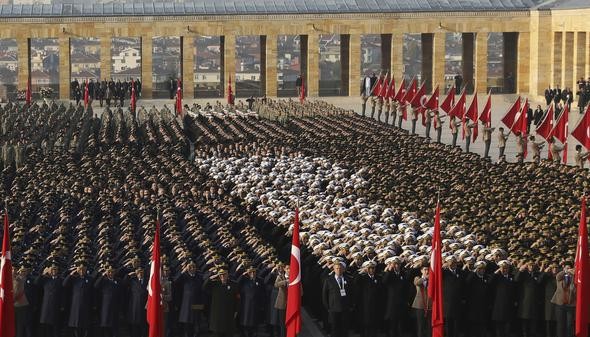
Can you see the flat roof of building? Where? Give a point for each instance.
(259, 7)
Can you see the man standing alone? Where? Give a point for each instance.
(335, 296)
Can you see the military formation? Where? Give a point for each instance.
(84, 197)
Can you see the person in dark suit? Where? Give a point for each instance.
(367, 85)
(251, 302)
(458, 82)
(336, 297)
(224, 303)
(397, 286)
(548, 96)
(108, 293)
(188, 286)
(549, 286)
(529, 120)
(136, 309)
(80, 285)
(478, 300)
(51, 303)
(529, 298)
(538, 115)
(298, 84)
(452, 296)
(91, 91)
(503, 299)
(368, 295)
(172, 87)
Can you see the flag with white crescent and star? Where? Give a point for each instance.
(293, 317)
(582, 131)
(7, 328)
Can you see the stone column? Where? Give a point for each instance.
(397, 57)
(23, 62)
(556, 59)
(188, 67)
(567, 63)
(438, 60)
(580, 58)
(310, 48)
(146, 66)
(427, 61)
(587, 48)
(64, 67)
(540, 59)
(386, 52)
(523, 56)
(105, 57)
(228, 47)
(468, 40)
(270, 79)
(481, 62)
(354, 65)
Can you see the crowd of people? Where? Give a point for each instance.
(85, 195)
(109, 92)
(566, 96)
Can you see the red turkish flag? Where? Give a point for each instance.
(472, 114)
(582, 276)
(544, 129)
(449, 101)
(458, 110)
(411, 92)
(391, 88)
(154, 302)
(377, 88)
(432, 102)
(582, 131)
(401, 92)
(384, 87)
(133, 97)
(86, 96)
(293, 318)
(419, 99)
(520, 125)
(512, 114)
(486, 114)
(230, 93)
(560, 131)
(7, 328)
(435, 278)
(178, 98)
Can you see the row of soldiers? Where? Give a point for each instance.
(105, 90)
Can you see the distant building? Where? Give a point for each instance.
(85, 75)
(8, 62)
(28, 2)
(129, 58)
(247, 76)
(81, 62)
(40, 78)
